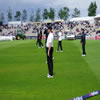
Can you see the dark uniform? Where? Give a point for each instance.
(40, 42)
(38, 39)
(83, 42)
(50, 61)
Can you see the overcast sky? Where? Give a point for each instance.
(34, 4)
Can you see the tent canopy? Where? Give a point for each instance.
(82, 19)
(98, 16)
(14, 23)
(48, 21)
(59, 20)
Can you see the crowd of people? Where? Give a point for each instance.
(90, 29)
(12, 29)
(33, 29)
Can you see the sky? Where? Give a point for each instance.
(30, 5)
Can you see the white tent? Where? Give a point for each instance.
(48, 21)
(80, 19)
(59, 20)
(97, 18)
(14, 23)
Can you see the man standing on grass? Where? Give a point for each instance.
(60, 41)
(83, 42)
(40, 43)
(49, 52)
(38, 39)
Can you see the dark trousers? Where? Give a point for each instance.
(50, 61)
(59, 45)
(83, 48)
(37, 42)
(40, 43)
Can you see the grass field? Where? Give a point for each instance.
(23, 71)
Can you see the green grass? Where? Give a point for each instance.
(23, 71)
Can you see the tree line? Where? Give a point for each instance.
(36, 16)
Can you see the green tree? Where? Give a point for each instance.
(24, 15)
(92, 9)
(63, 13)
(45, 14)
(32, 16)
(18, 16)
(2, 18)
(9, 14)
(51, 14)
(38, 15)
(76, 13)
(60, 14)
(66, 13)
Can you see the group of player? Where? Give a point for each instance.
(49, 46)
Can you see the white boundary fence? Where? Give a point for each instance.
(5, 38)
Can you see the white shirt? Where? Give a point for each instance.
(50, 40)
(60, 36)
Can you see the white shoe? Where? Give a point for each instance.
(43, 47)
(83, 55)
(61, 51)
(49, 76)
